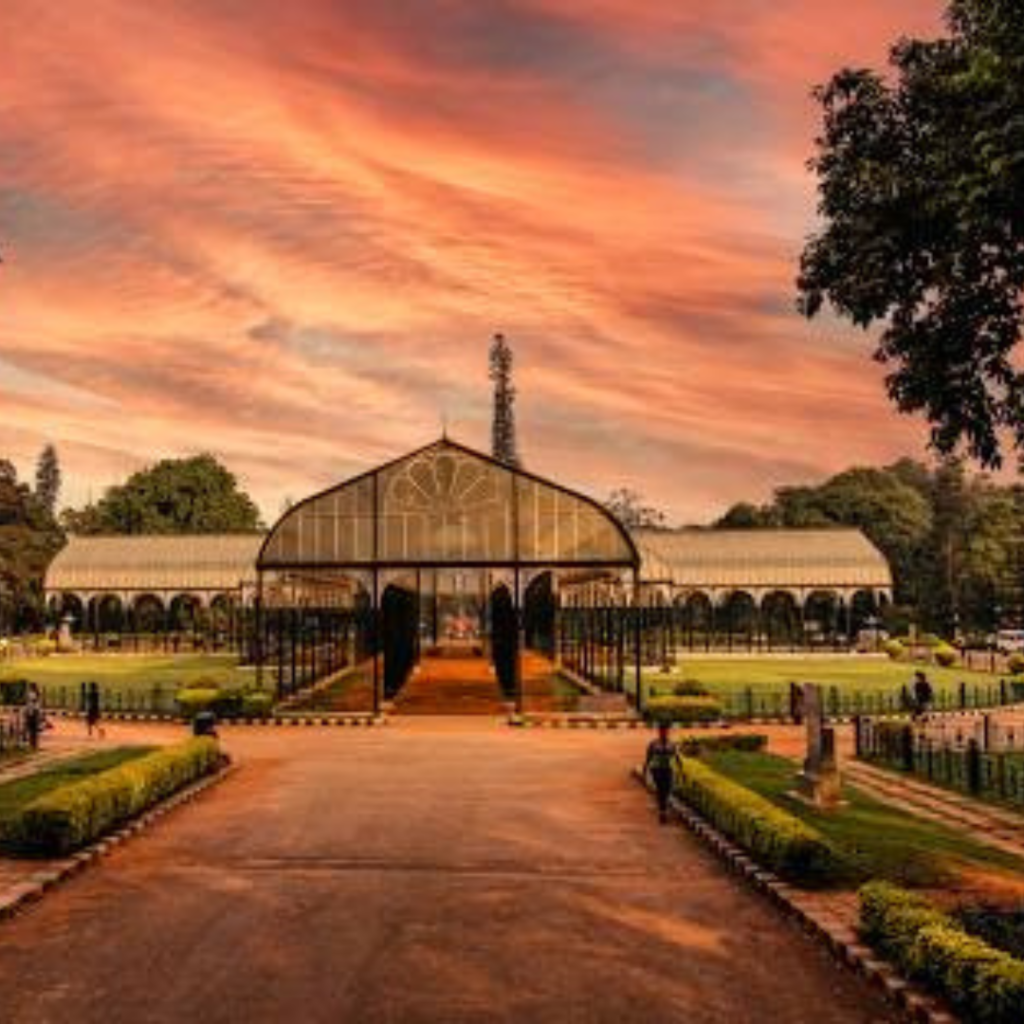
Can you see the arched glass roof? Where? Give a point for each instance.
(447, 505)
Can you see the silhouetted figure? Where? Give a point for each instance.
(33, 716)
(923, 693)
(659, 766)
(93, 711)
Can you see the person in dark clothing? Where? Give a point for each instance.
(93, 711)
(923, 693)
(33, 716)
(659, 766)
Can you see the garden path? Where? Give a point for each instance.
(437, 869)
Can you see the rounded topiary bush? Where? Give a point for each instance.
(257, 704)
(690, 688)
(1015, 663)
(945, 655)
(894, 649)
(195, 699)
(683, 710)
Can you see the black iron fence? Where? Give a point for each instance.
(13, 736)
(982, 755)
(844, 702)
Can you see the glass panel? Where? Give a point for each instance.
(446, 504)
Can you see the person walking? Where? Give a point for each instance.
(93, 712)
(33, 715)
(659, 767)
(923, 694)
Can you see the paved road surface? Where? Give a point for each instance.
(432, 871)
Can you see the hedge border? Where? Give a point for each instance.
(20, 897)
(841, 942)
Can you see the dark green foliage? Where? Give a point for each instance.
(29, 538)
(698, 746)
(70, 816)
(920, 178)
(503, 427)
(690, 688)
(955, 542)
(774, 838)
(48, 478)
(1001, 928)
(176, 496)
(982, 983)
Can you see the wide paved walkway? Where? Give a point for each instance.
(430, 871)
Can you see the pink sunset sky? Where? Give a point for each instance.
(285, 232)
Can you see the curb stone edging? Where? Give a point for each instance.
(274, 720)
(25, 893)
(842, 943)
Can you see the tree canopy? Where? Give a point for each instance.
(955, 541)
(631, 509)
(920, 181)
(29, 538)
(179, 496)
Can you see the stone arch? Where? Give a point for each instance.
(697, 621)
(183, 612)
(149, 613)
(780, 618)
(864, 606)
(823, 617)
(737, 617)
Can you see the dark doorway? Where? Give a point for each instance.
(539, 614)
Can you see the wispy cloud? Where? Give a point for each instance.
(286, 232)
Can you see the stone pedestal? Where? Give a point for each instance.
(818, 784)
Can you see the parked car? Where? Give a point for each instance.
(1010, 641)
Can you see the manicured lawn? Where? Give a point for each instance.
(60, 676)
(877, 841)
(769, 677)
(16, 794)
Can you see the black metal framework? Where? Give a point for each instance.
(444, 507)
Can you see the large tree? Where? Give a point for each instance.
(194, 495)
(29, 538)
(921, 179)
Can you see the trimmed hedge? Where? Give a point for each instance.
(71, 816)
(684, 710)
(747, 742)
(775, 838)
(984, 984)
(224, 703)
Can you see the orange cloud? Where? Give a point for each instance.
(286, 234)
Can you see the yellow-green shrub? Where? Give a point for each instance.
(683, 710)
(894, 649)
(983, 983)
(773, 837)
(945, 655)
(71, 816)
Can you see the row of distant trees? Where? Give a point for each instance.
(180, 496)
(954, 540)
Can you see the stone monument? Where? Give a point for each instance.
(65, 642)
(818, 783)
